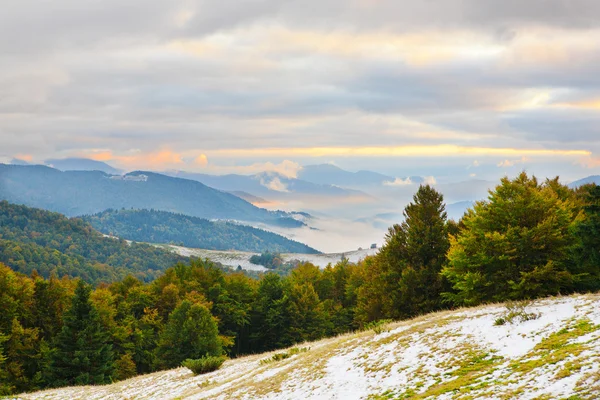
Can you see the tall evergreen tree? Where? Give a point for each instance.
(83, 354)
(405, 279)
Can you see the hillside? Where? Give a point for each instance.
(33, 239)
(165, 227)
(460, 354)
(76, 193)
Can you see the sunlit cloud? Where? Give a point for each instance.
(398, 182)
(399, 151)
(153, 160)
(24, 157)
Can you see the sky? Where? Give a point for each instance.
(454, 89)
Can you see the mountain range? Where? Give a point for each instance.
(88, 192)
(82, 164)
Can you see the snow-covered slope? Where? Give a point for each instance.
(234, 258)
(460, 354)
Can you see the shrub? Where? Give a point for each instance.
(282, 356)
(378, 326)
(205, 364)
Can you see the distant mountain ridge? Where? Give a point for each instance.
(88, 192)
(167, 228)
(82, 164)
(270, 185)
(329, 174)
(584, 181)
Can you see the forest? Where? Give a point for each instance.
(50, 243)
(154, 226)
(528, 239)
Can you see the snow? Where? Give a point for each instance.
(411, 357)
(242, 258)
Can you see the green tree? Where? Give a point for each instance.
(83, 353)
(514, 245)
(586, 252)
(405, 279)
(191, 332)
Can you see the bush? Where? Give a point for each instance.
(205, 364)
(378, 326)
(516, 312)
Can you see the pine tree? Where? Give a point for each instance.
(405, 276)
(83, 355)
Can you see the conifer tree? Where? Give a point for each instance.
(405, 278)
(83, 355)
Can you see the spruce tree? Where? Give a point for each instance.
(83, 354)
(408, 267)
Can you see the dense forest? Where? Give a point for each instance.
(528, 239)
(49, 243)
(164, 227)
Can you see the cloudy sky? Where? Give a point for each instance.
(444, 88)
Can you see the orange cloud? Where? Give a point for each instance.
(398, 151)
(159, 159)
(201, 160)
(24, 157)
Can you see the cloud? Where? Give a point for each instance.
(274, 183)
(512, 163)
(24, 157)
(429, 180)
(201, 160)
(153, 160)
(398, 182)
(269, 81)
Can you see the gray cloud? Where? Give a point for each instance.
(77, 76)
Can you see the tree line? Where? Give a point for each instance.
(527, 239)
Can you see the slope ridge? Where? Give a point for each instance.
(445, 355)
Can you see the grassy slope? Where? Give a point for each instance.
(456, 354)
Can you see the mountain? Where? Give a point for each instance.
(17, 161)
(249, 198)
(328, 174)
(271, 185)
(34, 239)
(82, 164)
(165, 227)
(88, 192)
(462, 354)
(590, 179)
